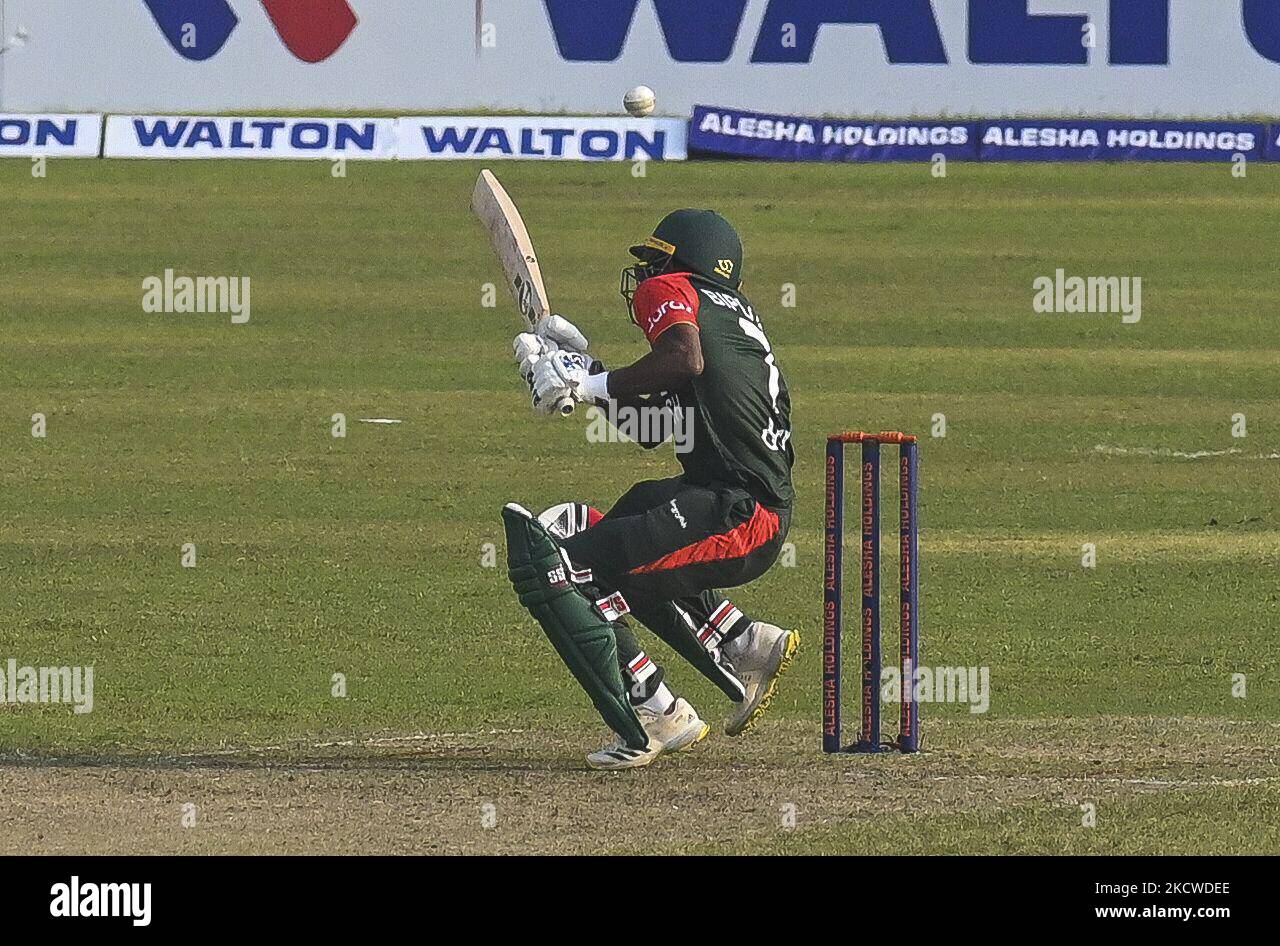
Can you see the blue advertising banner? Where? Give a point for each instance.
(1099, 140)
(745, 134)
(1273, 143)
(739, 133)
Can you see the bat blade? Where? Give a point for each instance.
(510, 240)
(511, 243)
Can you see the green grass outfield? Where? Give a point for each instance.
(363, 555)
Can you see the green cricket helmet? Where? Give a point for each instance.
(687, 241)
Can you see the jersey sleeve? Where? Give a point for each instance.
(664, 301)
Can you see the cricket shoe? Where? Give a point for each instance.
(677, 729)
(760, 655)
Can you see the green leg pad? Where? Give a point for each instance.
(583, 639)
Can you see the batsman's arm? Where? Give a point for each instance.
(676, 359)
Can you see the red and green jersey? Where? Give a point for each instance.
(739, 405)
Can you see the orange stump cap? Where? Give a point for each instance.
(885, 436)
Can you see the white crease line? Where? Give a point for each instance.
(376, 741)
(1114, 451)
(1086, 780)
(418, 737)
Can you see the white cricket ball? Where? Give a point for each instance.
(641, 101)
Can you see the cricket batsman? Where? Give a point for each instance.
(666, 546)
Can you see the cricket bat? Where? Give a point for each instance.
(511, 242)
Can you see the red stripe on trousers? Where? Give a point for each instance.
(737, 542)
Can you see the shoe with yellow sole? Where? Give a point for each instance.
(760, 655)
